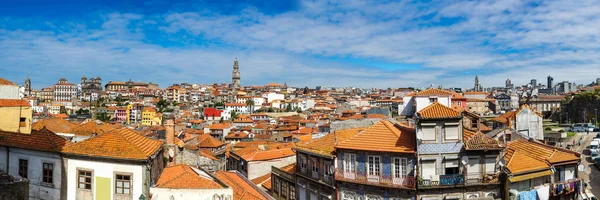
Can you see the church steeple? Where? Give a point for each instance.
(477, 85)
(235, 78)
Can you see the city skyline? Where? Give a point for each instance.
(359, 44)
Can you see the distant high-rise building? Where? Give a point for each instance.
(597, 81)
(550, 79)
(235, 78)
(477, 85)
(533, 82)
(508, 84)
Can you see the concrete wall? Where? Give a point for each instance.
(260, 168)
(18, 190)
(182, 194)
(9, 92)
(102, 171)
(529, 124)
(9, 119)
(37, 189)
(423, 101)
(349, 124)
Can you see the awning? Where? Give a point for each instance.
(530, 176)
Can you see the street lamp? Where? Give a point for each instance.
(596, 113)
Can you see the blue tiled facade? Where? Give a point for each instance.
(440, 148)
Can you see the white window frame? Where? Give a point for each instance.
(350, 162)
(376, 171)
(402, 170)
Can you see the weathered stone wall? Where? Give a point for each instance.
(14, 190)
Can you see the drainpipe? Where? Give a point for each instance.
(7, 159)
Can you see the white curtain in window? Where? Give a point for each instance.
(428, 169)
(451, 132)
(428, 132)
(473, 166)
(490, 165)
(451, 163)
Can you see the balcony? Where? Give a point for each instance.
(407, 182)
(443, 181)
(481, 178)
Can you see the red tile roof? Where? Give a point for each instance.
(14, 103)
(438, 111)
(525, 156)
(56, 125)
(6, 82)
(185, 177)
(242, 188)
(40, 140)
(475, 140)
(121, 143)
(266, 152)
(384, 136)
(207, 141)
(326, 144)
(431, 92)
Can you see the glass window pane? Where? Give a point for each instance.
(126, 191)
(119, 184)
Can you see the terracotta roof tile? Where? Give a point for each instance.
(219, 126)
(122, 143)
(475, 140)
(438, 111)
(539, 156)
(326, 144)
(266, 152)
(208, 154)
(242, 188)
(90, 128)
(56, 125)
(40, 140)
(261, 179)
(432, 92)
(384, 136)
(6, 82)
(14, 103)
(185, 177)
(207, 141)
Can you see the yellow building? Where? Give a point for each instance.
(129, 108)
(150, 117)
(16, 115)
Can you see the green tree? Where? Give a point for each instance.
(161, 105)
(250, 104)
(288, 108)
(270, 109)
(63, 110)
(234, 115)
(581, 108)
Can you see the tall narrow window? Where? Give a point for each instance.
(349, 162)
(47, 172)
(123, 184)
(374, 165)
(400, 167)
(84, 179)
(23, 167)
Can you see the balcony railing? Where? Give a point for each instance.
(400, 182)
(481, 178)
(443, 180)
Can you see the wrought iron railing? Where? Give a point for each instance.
(398, 182)
(443, 180)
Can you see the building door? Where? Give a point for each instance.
(301, 192)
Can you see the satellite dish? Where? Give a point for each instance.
(331, 169)
(464, 160)
(171, 153)
(502, 162)
(581, 168)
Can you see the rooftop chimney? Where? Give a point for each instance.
(170, 131)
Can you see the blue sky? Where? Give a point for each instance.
(305, 43)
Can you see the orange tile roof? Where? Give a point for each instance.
(237, 135)
(303, 138)
(40, 140)
(506, 117)
(431, 92)
(218, 126)
(291, 168)
(61, 115)
(475, 140)
(438, 111)
(14, 103)
(235, 104)
(121, 143)
(379, 116)
(266, 152)
(148, 109)
(384, 136)
(207, 141)
(56, 125)
(326, 144)
(6, 82)
(242, 188)
(184, 177)
(261, 179)
(537, 154)
(208, 154)
(90, 128)
(473, 93)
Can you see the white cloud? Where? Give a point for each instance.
(452, 41)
